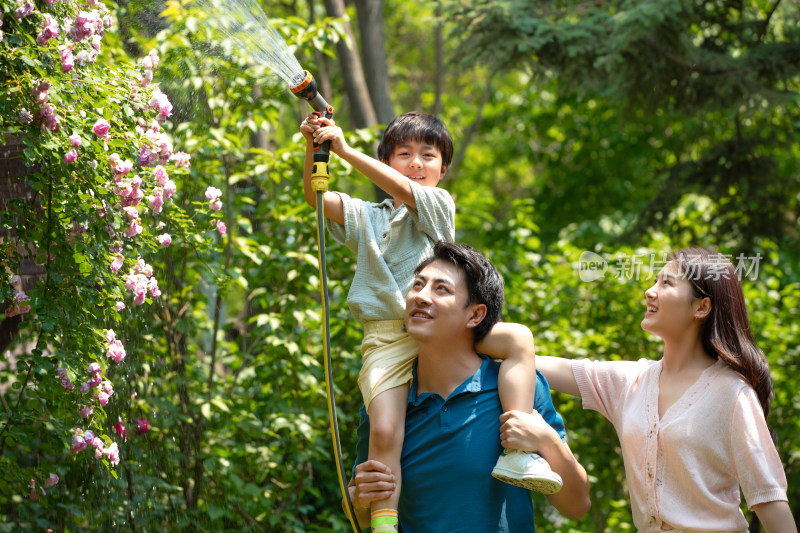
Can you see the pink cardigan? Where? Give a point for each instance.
(684, 470)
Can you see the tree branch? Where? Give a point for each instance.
(473, 128)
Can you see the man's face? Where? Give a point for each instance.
(436, 304)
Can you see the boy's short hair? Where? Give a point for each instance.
(419, 127)
(484, 282)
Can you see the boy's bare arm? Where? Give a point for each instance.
(333, 206)
(516, 380)
(507, 339)
(388, 179)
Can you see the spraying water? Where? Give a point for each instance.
(244, 22)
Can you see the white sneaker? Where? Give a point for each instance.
(527, 470)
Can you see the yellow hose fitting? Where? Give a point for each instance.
(320, 176)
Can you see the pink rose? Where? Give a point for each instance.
(119, 427)
(160, 175)
(71, 156)
(116, 263)
(18, 307)
(51, 481)
(169, 190)
(134, 229)
(67, 60)
(112, 452)
(160, 103)
(24, 9)
(119, 306)
(85, 411)
(142, 426)
(101, 128)
(75, 139)
(116, 351)
(50, 30)
(212, 193)
(81, 58)
(156, 200)
(132, 212)
(25, 116)
(78, 444)
(221, 227)
(94, 368)
(102, 398)
(164, 239)
(154, 59)
(181, 159)
(152, 286)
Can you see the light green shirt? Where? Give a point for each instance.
(389, 244)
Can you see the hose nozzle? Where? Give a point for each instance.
(303, 86)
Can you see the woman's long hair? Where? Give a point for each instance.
(726, 331)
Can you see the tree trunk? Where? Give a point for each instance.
(361, 112)
(437, 104)
(373, 47)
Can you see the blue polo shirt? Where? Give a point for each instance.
(450, 448)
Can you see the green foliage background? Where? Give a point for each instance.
(622, 128)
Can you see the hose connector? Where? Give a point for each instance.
(320, 176)
(303, 86)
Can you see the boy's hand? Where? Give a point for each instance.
(311, 124)
(328, 131)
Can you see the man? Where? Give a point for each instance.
(454, 414)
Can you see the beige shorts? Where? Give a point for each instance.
(387, 355)
(693, 531)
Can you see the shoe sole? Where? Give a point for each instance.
(544, 485)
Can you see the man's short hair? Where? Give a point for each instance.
(419, 127)
(484, 283)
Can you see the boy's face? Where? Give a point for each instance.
(418, 162)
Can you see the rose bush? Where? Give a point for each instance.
(96, 138)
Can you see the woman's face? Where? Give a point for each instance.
(671, 305)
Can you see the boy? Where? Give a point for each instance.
(389, 240)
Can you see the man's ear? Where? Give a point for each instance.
(477, 314)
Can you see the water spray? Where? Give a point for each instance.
(244, 22)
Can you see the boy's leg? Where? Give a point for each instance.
(517, 390)
(387, 415)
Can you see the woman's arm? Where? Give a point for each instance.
(776, 517)
(558, 372)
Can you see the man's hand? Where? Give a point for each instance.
(529, 431)
(525, 431)
(373, 481)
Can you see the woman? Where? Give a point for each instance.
(692, 425)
